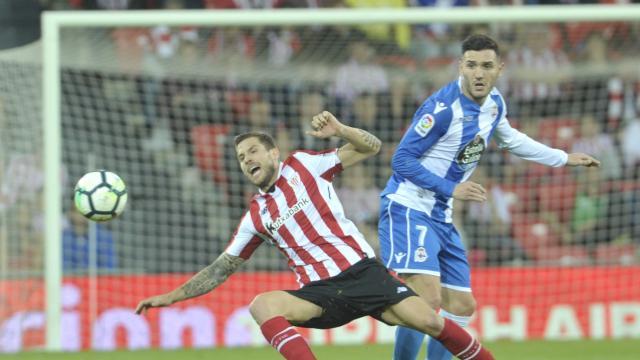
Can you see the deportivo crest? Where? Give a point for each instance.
(425, 124)
(420, 255)
(471, 152)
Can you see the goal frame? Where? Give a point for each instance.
(54, 21)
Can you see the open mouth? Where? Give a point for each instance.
(254, 169)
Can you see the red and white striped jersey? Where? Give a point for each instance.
(304, 218)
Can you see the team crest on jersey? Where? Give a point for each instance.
(471, 152)
(425, 124)
(420, 255)
(295, 181)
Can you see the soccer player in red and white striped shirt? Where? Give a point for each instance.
(298, 211)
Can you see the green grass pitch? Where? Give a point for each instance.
(528, 350)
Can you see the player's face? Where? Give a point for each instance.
(258, 164)
(479, 70)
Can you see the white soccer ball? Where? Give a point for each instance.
(100, 195)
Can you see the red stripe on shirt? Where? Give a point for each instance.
(257, 223)
(254, 210)
(321, 205)
(251, 247)
(288, 238)
(310, 231)
(253, 244)
(312, 152)
(329, 174)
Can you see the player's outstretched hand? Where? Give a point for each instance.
(325, 125)
(469, 190)
(154, 301)
(580, 159)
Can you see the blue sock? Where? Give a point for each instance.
(408, 343)
(435, 349)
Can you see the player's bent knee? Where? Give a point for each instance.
(429, 323)
(432, 324)
(280, 303)
(469, 307)
(264, 307)
(434, 302)
(462, 307)
(414, 312)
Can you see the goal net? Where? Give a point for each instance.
(554, 251)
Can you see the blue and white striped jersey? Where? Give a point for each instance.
(446, 139)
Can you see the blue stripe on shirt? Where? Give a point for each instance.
(456, 172)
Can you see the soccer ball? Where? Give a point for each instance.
(100, 195)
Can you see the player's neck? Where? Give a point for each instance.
(478, 101)
(270, 186)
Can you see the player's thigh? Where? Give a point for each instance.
(455, 273)
(413, 312)
(426, 286)
(280, 303)
(408, 243)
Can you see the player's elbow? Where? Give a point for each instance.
(375, 147)
(363, 155)
(399, 161)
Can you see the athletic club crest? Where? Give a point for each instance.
(295, 181)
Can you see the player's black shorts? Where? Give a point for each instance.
(365, 288)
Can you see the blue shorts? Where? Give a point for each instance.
(413, 243)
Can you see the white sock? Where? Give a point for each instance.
(463, 321)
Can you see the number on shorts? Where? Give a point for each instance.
(423, 234)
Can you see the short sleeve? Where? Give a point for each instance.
(245, 239)
(325, 164)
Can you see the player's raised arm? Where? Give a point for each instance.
(201, 283)
(360, 143)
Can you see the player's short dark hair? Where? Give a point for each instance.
(264, 138)
(477, 42)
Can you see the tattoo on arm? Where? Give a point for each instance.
(370, 140)
(211, 276)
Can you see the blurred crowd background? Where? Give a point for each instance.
(160, 106)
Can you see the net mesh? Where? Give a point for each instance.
(160, 106)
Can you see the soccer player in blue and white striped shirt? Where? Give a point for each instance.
(431, 167)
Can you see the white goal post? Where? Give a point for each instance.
(54, 22)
